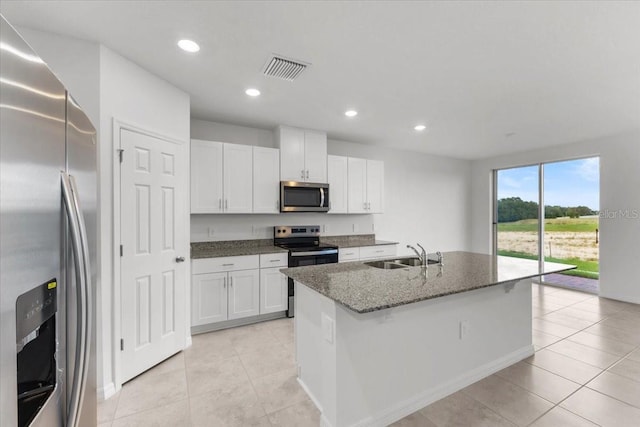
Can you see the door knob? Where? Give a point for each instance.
(180, 259)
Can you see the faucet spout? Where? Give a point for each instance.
(422, 256)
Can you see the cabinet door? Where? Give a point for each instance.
(292, 154)
(244, 293)
(357, 185)
(338, 187)
(238, 178)
(315, 156)
(273, 290)
(206, 176)
(266, 180)
(375, 186)
(208, 298)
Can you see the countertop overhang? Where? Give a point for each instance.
(362, 288)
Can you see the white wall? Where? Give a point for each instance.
(427, 198)
(134, 96)
(619, 191)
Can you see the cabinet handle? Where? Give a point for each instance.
(226, 204)
(275, 260)
(302, 174)
(224, 282)
(364, 206)
(369, 205)
(220, 204)
(307, 173)
(379, 252)
(231, 282)
(277, 205)
(227, 265)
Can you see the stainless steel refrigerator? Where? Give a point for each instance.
(47, 245)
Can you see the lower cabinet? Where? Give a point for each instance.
(229, 288)
(367, 253)
(273, 290)
(208, 298)
(244, 294)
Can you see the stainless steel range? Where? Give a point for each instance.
(303, 243)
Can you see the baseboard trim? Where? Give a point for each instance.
(106, 392)
(427, 397)
(201, 329)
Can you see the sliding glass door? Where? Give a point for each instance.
(565, 197)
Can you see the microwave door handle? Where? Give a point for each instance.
(321, 197)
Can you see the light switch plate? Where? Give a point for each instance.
(327, 328)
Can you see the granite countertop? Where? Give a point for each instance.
(234, 248)
(354, 241)
(364, 289)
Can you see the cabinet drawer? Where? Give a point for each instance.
(348, 254)
(274, 260)
(381, 251)
(231, 263)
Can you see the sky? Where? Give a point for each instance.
(568, 183)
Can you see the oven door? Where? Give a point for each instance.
(303, 197)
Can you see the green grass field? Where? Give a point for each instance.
(588, 269)
(589, 224)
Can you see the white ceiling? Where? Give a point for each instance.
(474, 72)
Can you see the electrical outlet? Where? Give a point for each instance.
(325, 228)
(355, 228)
(211, 232)
(464, 329)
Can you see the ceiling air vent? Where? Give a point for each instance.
(284, 68)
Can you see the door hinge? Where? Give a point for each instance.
(121, 250)
(120, 151)
(121, 344)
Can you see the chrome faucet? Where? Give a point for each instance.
(422, 256)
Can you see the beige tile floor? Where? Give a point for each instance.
(585, 372)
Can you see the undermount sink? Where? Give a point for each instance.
(390, 264)
(386, 265)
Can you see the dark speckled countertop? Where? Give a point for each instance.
(363, 288)
(234, 248)
(354, 241)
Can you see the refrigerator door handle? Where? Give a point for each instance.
(83, 276)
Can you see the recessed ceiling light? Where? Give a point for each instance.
(351, 113)
(252, 92)
(419, 128)
(188, 45)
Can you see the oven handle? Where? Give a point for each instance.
(312, 253)
(321, 197)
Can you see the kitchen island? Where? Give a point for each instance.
(374, 345)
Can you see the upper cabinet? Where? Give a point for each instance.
(303, 155)
(337, 176)
(206, 176)
(221, 177)
(266, 179)
(365, 185)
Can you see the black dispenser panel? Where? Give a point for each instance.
(35, 347)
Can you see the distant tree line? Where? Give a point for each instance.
(514, 209)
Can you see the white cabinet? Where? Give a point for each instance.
(366, 253)
(208, 298)
(303, 155)
(221, 177)
(244, 293)
(273, 284)
(273, 290)
(224, 288)
(238, 178)
(378, 251)
(338, 184)
(266, 180)
(206, 176)
(365, 185)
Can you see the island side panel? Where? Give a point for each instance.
(315, 349)
(393, 362)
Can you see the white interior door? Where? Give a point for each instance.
(154, 241)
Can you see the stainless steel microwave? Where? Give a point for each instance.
(303, 197)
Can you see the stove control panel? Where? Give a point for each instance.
(282, 231)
